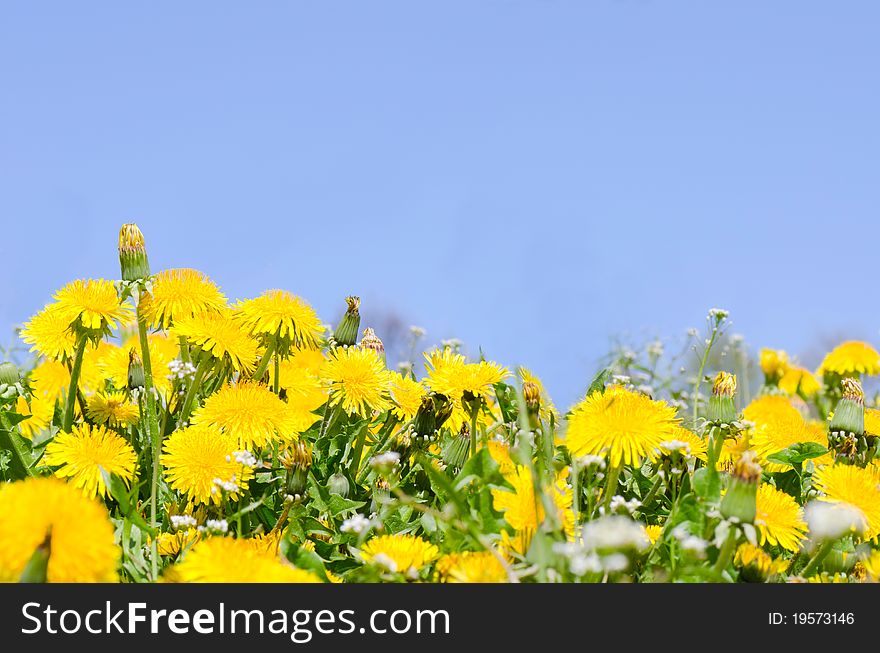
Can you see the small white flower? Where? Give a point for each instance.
(694, 544)
(718, 314)
(226, 486)
(417, 331)
(181, 522)
(615, 562)
(245, 458)
(357, 524)
(383, 560)
(385, 460)
(830, 521)
(581, 564)
(615, 532)
(215, 526)
(590, 460)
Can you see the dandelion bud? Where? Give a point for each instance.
(346, 332)
(740, 502)
(338, 484)
(721, 406)
(433, 412)
(37, 567)
(774, 364)
(135, 371)
(532, 396)
(849, 414)
(297, 459)
(371, 341)
(132, 253)
(9, 374)
(456, 453)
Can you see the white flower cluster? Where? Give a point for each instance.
(227, 486)
(183, 522)
(618, 502)
(180, 370)
(671, 446)
(718, 314)
(214, 526)
(385, 460)
(357, 524)
(689, 542)
(590, 460)
(615, 532)
(417, 331)
(831, 521)
(245, 458)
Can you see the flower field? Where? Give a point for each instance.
(164, 433)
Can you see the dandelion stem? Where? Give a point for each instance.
(264, 361)
(652, 492)
(473, 425)
(611, 486)
(70, 405)
(817, 559)
(152, 428)
(699, 381)
(276, 381)
(726, 551)
(184, 349)
(204, 365)
(359, 447)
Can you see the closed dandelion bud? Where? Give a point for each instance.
(774, 364)
(297, 459)
(721, 406)
(434, 410)
(532, 396)
(338, 484)
(849, 414)
(347, 331)
(740, 502)
(456, 453)
(132, 253)
(371, 341)
(37, 567)
(135, 371)
(9, 374)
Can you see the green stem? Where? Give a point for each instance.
(726, 551)
(264, 361)
(152, 428)
(817, 559)
(70, 405)
(575, 491)
(652, 493)
(276, 381)
(204, 365)
(699, 381)
(359, 448)
(611, 486)
(474, 411)
(184, 349)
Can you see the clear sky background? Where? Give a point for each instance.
(533, 177)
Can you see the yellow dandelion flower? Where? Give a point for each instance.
(219, 335)
(171, 544)
(471, 567)
(113, 364)
(38, 415)
(851, 359)
(774, 362)
(524, 510)
(112, 409)
(779, 518)
(749, 555)
(770, 408)
(855, 486)
(626, 424)
(278, 312)
(407, 394)
(247, 411)
(799, 380)
(500, 453)
(399, 552)
(300, 362)
(871, 564)
(697, 446)
(872, 421)
(49, 333)
(778, 434)
(229, 560)
(195, 457)
(82, 454)
(92, 378)
(450, 374)
(92, 304)
(81, 542)
(266, 542)
(825, 577)
(181, 292)
(359, 381)
(303, 401)
(50, 380)
(654, 531)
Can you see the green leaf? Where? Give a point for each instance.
(337, 505)
(598, 382)
(707, 484)
(797, 453)
(481, 467)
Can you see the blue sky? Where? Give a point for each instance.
(530, 176)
